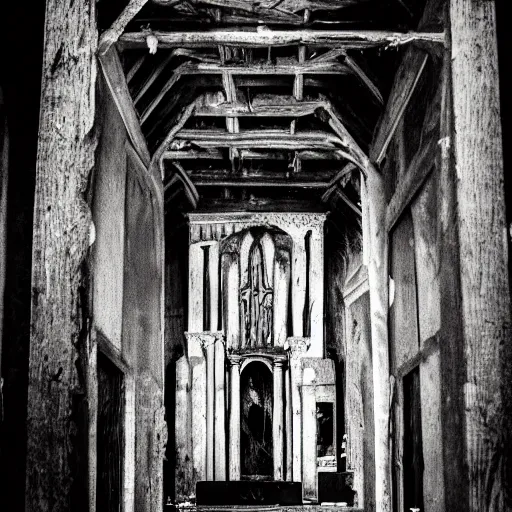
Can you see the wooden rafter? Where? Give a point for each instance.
(110, 36)
(352, 64)
(133, 70)
(264, 37)
(151, 78)
(190, 189)
(407, 77)
(116, 82)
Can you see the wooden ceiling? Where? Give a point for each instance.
(270, 102)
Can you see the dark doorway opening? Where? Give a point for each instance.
(110, 441)
(413, 448)
(256, 428)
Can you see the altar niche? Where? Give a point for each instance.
(256, 406)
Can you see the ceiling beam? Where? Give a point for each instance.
(269, 139)
(251, 183)
(268, 110)
(111, 35)
(263, 36)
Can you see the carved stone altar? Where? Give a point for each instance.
(245, 407)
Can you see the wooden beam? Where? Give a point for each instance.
(357, 155)
(190, 189)
(266, 173)
(151, 78)
(339, 193)
(110, 36)
(156, 165)
(477, 149)
(232, 123)
(352, 64)
(116, 82)
(244, 182)
(61, 376)
(269, 110)
(334, 183)
(209, 154)
(274, 139)
(133, 70)
(378, 279)
(264, 37)
(410, 185)
(406, 79)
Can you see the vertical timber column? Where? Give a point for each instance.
(316, 284)
(220, 408)
(60, 345)
(278, 420)
(482, 233)
(298, 282)
(298, 348)
(210, 405)
(378, 281)
(288, 424)
(234, 419)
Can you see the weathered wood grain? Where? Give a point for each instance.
(267, 37)
(60, 344)
(484, 278)
(111, 35)
(115, 79)
(405, 82)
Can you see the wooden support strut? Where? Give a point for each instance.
(110, 36)
(114, 77)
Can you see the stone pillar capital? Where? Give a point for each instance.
(234, 359)
(278, 363)
(205, 338)
(297, 346)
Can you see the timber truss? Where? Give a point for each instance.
(235, 101)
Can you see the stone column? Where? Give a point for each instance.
(298, 347)
(278, 420)
(234, 418)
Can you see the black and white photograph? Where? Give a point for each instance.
(255, 256)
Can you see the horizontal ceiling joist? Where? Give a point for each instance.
(251, 183)
(287, 68)
(265, 37)
(244, 110)
(270, 139)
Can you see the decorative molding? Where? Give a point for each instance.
(297, 346)
(205, 338)
(216, 226)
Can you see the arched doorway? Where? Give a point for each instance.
(256, 426)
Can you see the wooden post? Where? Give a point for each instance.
(476, 141)
(60, 343)
(378, 280)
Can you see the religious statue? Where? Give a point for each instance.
(256, 298)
